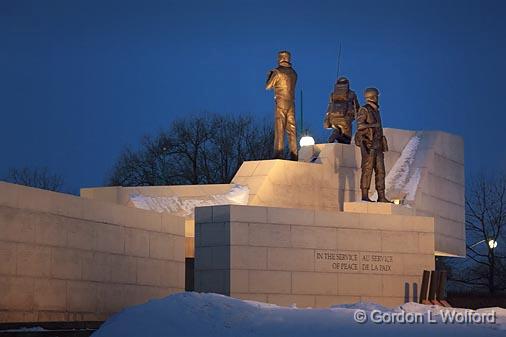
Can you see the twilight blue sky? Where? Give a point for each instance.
(81, 79)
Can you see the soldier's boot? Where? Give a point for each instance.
(365, 195)
(335, 134)
(382, 198)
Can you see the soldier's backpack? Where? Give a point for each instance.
(339, 100)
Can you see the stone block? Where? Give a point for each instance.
(247, 168)
(124, 269)
(203, 214)
(9, 195)
(50, 294)
(290, 216)
(33, 260)
(264, 167)
(148, 271)
(16, 225)
(269, 235)
(96, 266)
(239, 281)
(66, 263)
(111, 298)
(204, 258)
(245, 257)
(215, 281)
(220, 257)
(212, 234)
(415, 264)
(313, 237)
(161, 246)
(239, 233)
(358, 239)
(82, 296)
(179, 248)
(299, 301)
(51, 230)
(16, 293)
(7, 258)
(269, 282)
(169, 276)
(400, 242)
(82, 234)
(292, 259)
(137, 242)
(175, 225)
(248, 213)
(359, 284)
(336, 219)
(314, 283)
(351, 156)
(355, 207)
(250, 297)
(426, 243)
(110, 238)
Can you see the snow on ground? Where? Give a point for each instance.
(198, 314)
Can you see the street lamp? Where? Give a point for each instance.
(491, 243)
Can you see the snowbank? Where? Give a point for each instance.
(196, 314)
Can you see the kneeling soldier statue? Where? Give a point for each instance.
(341, 110)
(369, 137)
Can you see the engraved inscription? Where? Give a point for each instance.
(362, 262)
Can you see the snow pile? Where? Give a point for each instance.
(403, 178)
(238, 195)
(196, 314)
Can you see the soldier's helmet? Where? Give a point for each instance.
(371, 92)
(342, 80)
(284, 56)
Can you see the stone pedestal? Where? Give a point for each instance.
(312, 258)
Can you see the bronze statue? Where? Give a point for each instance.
(283, 80)
(342, 108)
(373, 144)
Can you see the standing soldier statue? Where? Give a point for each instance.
(283, 79)
(343, 105)
(369, 137)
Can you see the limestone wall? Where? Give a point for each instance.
(430, 179)
(312, 258)
(68, 258)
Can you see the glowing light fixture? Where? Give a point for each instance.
(306, 141)
(492, 244)
(397, 201)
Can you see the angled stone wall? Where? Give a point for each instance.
(68, 258)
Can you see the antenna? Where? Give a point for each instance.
(301, 114)
(338, 60)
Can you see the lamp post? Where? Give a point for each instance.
(491, 243)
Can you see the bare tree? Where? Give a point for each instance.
(35, 177)
(485, 265)
(202, 149)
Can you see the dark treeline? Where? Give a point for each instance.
(203, 149)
